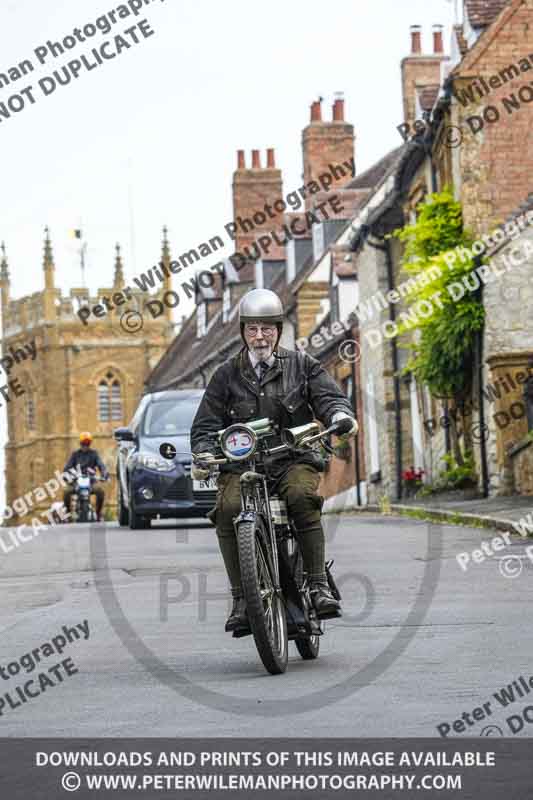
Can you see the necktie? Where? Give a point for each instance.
(263, 369)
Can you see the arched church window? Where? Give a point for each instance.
(109, 398)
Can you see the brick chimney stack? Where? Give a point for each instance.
(327, 143)
(316, 110)
(419, 70)
(438, 44)
(416, 40)
(338, 108)
(253, 189)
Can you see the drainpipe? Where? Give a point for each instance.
(356, 441)
(396, 379)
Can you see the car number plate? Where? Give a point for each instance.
(208, 485)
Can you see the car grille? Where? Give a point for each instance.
(179, 490)
(205, 500)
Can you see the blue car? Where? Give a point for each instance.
(154, 462)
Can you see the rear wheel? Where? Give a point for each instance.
(307, 646)
(266, 609)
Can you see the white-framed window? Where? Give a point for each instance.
(259, 275)
(226, 303)
(416, 426)
(318, 240)
(201, 316)
(372, 426)
(290, 253)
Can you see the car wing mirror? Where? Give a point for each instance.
(124, 435)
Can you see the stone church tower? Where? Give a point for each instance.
(84, 376)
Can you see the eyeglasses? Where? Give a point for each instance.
(267, 330)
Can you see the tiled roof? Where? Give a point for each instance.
(482, 12)
(372, 176)
(527, 205)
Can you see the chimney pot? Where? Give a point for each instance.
(256, 161)
(316, 111)
(338, 107)
(241, 163)
(271, 163)
(416, 39)
(438, 45)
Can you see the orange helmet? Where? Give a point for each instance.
(85, 438)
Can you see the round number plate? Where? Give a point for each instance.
(239, 444)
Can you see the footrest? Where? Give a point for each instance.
(239, 632)
(329, 615)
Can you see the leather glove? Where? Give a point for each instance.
(345, 437)
(199, 473)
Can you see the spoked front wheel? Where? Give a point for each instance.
(265, 606)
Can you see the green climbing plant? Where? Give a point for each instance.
(442, 348)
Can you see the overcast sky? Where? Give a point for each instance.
(150, 137)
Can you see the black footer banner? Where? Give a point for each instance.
(277, 768)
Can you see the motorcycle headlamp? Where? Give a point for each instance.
(238, 442)
(153, 462)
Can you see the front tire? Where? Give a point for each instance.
(266, 609)
(83, 511)
(123, 512)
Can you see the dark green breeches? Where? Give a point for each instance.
(298, 487)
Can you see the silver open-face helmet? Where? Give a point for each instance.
(261, 304)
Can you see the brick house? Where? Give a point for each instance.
(488, 165)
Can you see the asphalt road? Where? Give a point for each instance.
(420, 643)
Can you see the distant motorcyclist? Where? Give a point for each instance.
(84, 459)
(290, 388)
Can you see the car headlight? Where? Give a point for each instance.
(150, 461)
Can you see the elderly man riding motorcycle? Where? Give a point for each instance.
(291, 388)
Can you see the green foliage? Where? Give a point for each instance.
(443, 350)
(458, 476)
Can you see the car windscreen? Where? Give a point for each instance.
(170, 417)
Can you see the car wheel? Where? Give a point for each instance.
(123, 512)
(137, 521)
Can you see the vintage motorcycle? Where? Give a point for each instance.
(274, 583)
(82, 509)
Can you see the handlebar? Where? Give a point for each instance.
(340, 427)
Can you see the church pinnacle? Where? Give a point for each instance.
(4, 268)
(48, 261)
(165, 252)
(118, 279)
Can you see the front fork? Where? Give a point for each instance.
(255, 500)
